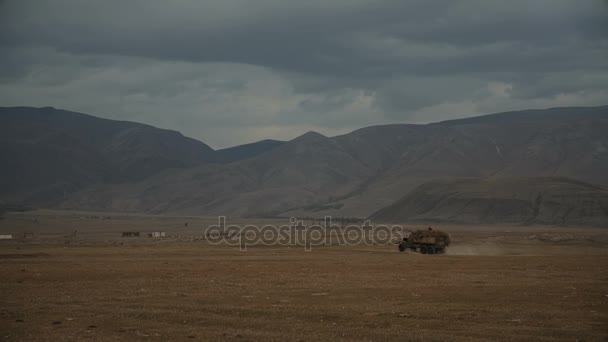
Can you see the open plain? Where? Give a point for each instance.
(78, 279)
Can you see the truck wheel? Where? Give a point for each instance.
(401, 248)
(423, 250)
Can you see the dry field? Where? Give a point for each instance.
(495, 283)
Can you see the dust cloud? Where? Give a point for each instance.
(475, 249)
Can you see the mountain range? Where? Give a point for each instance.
(61, 159)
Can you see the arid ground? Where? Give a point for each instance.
(496, 283)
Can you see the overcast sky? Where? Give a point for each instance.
(234, 71)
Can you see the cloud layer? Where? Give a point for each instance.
(234, 71)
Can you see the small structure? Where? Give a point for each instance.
(130, 234)
(157, 235)
(6, 237)
(28, 235)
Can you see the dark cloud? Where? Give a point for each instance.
(279, 67)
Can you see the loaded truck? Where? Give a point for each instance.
(425, 241)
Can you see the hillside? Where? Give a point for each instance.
(246, 151)
(50, 153)
(309, 169)
(555, 201)
(120, 166)
(560, 142)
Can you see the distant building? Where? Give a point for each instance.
(6, 237)
(157, 234)
(130, 234)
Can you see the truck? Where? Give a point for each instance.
(425, 241)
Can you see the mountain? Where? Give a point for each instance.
(246, 151)
(557, 201)
(302, 172)
(50, 152)
(353, 175)
(560, 142)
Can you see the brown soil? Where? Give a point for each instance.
(495, 283)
